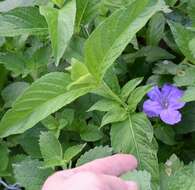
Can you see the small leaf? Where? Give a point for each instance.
(72, 151)
(23, 20)
(104, 105)
(93, 154)
(51, 150)
(129, 87)
(29, 175)
(61, 26)
(114, 116)
(136, 96)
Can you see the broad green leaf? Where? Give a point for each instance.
(192, 46)
(143, 179)
(61, 27)
(20, 21)
(4, 158)
(72, 151)
(51, 150)
(86, 11)
(93, 154)
(136, 96)
(43, 97)
(104, 105)
(129, 87)
(135, 136)
(189, 94)
(110, 38)
(183, 36)
(191, 9)
(29, 175)
(12, 92)
(156, 29)
(118, 3)
(185, 77)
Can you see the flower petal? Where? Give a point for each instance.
(175, 104)
(154, 94)
(170, 116)
(152, 108)
(171, 92)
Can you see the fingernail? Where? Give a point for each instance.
(132, 185)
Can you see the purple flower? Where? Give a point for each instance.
(165, 103)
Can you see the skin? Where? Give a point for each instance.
(101, 174)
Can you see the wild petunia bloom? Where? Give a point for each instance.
(165, 103)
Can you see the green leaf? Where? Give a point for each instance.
(61, 27)
(43, 97)
(12, 92)
(110, 38)
(73, 151)
(29, 175)
(136, 96)
(192, 46)
(165, 133)
(135, 136)
(183, 36)
(86, 11)
(129, 87)
(113, 116)
(20, 21)
(104, 105)
(156, 29)
(4, 158)
(189, 94)
(91, 133)
(93, 154)
(191, 10)
(187, 124)
(59, 3)
(51, 150)
(142, 178)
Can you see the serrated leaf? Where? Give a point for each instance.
(4, 158)
(143, 179)
(51, 150)
(110, 38)
(61, 27)
(183, 36)
(72, 151)
(23, 20)
(135, 136)
(29, 175)
(129, 87)
(43, 97)
(93, 154)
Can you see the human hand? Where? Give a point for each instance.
(101, 174)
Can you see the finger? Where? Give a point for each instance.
(114, 165)
(115, 183)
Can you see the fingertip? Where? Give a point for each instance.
(132, 185)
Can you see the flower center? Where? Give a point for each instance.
(165, 103)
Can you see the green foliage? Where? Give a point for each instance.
(74, 75)
(61, 27)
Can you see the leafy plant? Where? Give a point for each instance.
(85, 79)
